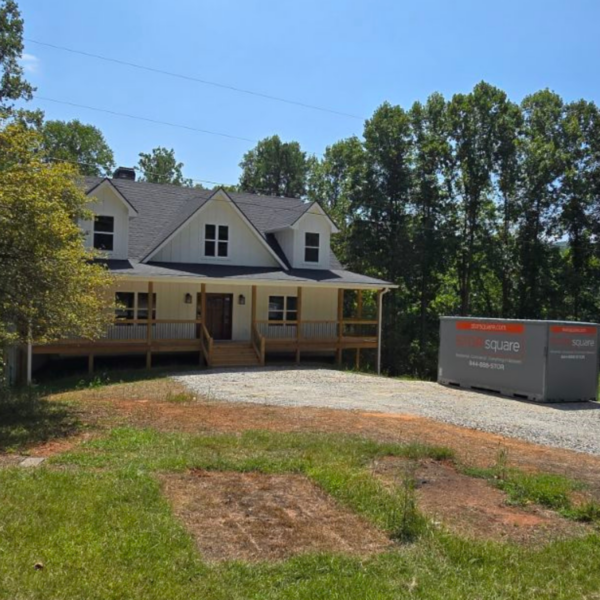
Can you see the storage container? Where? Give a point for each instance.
(546, 361)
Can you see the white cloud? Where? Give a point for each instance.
(30, 63)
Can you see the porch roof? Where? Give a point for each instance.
(131, 268)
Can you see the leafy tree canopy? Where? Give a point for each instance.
(161, 166)
(75, 142)
(49, 286)
(275, 168)
(12, 84)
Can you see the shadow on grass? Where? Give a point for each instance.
(27, 419)
(104, 378)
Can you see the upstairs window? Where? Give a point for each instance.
(216, 241)
(104, 233)
(283, 308)
(311, 247)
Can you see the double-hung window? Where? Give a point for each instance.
(134, 305)
(125, 306)
(104, 233)
(283, 308)
(311, 247)
(216, 240)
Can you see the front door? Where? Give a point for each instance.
(219, 308)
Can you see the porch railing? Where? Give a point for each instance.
(258, 343)
(317, 330)
(206, 344)
(159, 330)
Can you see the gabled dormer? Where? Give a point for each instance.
(108, 232)
(307, 241)
(213, 230)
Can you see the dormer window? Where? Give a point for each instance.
(216, 241)
(104, 233)
(311, 247)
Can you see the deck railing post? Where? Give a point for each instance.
(298, 323)
(340, 318)
(150, 308)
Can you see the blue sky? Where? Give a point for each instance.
(345, 55)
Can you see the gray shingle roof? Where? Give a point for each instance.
(162, 269)
(162, 209)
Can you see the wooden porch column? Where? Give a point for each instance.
(149, 326)
(202, 319)
(340, 318)
(298, 324)
(203, 303)
(380, 294)
(360, 305)
(253, 322)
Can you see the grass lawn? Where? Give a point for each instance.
(97, 519)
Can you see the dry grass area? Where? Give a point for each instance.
(252, 517)
(472, 507)
(150, 492)
(143, 404)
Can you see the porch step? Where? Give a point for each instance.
(234, 354)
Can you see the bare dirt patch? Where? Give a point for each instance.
(54, 447)
(256, 517)
(472, 507)
(142, 404)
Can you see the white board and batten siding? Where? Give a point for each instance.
(245, 247)
(293, 241)
(105, 202)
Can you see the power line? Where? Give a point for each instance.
(195, 79)
(146, 119)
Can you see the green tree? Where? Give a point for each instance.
(275, 168)
(475, 121)
(331, 181)
(161, 166)
(432, 223)
(49, 286)
(380, 233)
(581, 172)
(83, 145)
(539, 205)
(12, 84)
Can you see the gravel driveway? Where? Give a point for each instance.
(575, 426)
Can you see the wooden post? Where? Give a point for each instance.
(360, 305)
(340, 318)
(29, 362)
(150, 309)
(298, 324)
(357, 361)
(253, 322)
(379, 300)
(90, 364)
(203, 322)
(203, 303)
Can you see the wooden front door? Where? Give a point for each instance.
(219, 311)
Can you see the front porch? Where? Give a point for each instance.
(226, 325)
